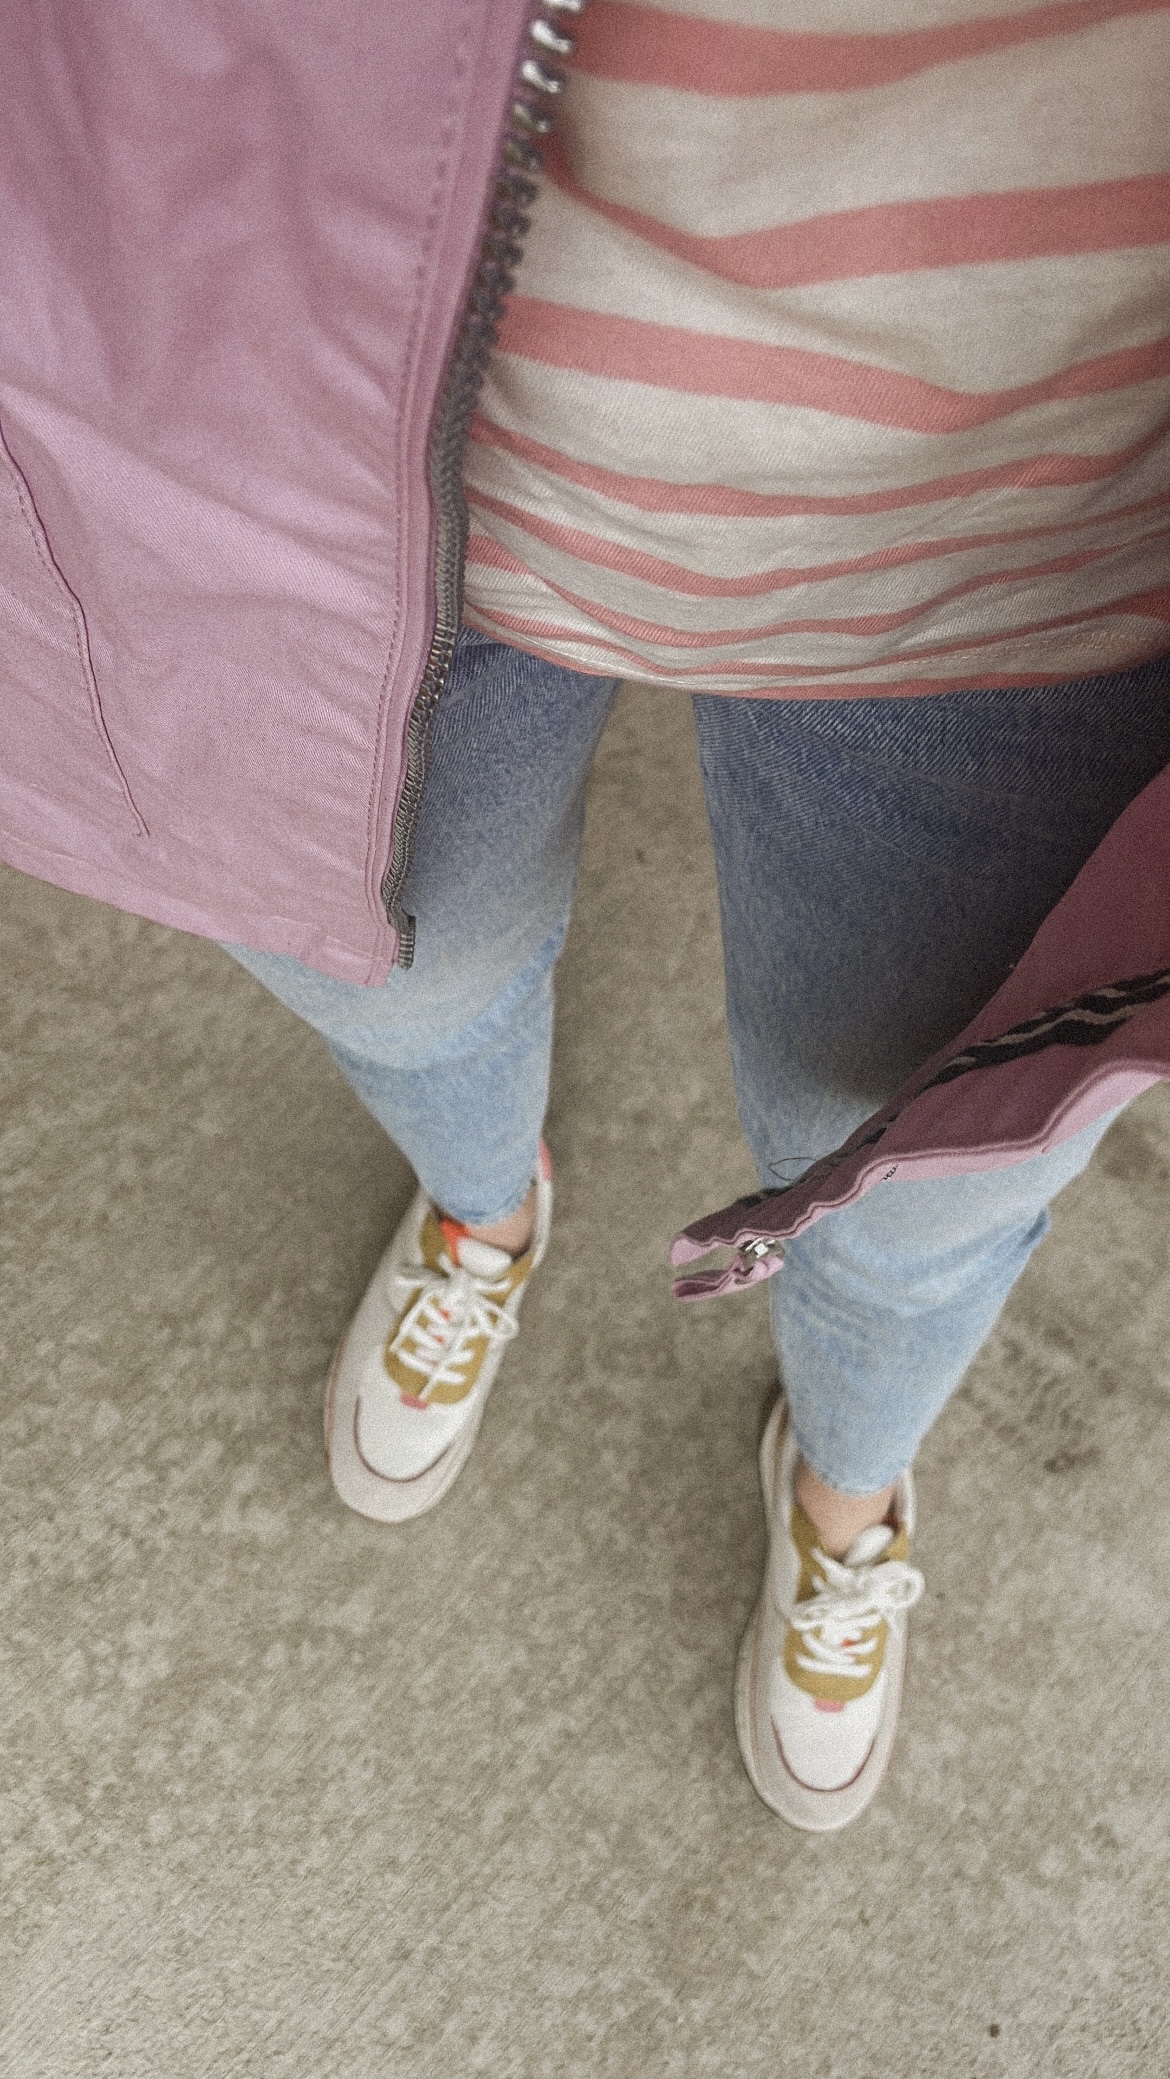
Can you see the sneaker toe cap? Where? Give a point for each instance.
(393, 1439)
(822, 1749)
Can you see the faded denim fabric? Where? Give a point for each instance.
(881, 865)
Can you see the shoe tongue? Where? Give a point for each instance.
(869, 1545)
(480, 1258)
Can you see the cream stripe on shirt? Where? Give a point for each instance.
(840, 355)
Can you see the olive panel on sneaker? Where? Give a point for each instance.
(411, 1378)
(831, 1653)
(437, 1349)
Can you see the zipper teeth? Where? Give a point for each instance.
(530, 120)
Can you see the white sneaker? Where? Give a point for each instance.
(819, 1681)
(410, 1381)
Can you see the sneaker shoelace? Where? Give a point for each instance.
(838, 1621)
(449, 1313)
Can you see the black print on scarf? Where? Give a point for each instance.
(1085, 1022)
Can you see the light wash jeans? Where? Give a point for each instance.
(881, 865)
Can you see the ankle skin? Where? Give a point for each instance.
(514, 1233)
(839, 1517)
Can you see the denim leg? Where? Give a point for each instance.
(879, 1309)
(452, 1055)
(882, 865)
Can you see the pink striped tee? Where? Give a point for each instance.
(839, 361)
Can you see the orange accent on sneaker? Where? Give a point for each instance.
(454, 1232)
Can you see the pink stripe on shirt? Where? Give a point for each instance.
(897, 237)
(708, 364)
(644, 46)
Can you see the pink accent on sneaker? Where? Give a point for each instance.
(412, 1400)
(827, 1703)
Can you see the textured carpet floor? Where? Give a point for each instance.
(284, 1794)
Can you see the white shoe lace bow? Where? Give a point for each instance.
(837, 1622)
(448, 1314)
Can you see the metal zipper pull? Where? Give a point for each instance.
(534, 74)
(550, 39)
(530, 118)
(538, 86)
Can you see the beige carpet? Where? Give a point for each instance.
(287, 1795)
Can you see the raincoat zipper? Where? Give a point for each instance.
(515, 190)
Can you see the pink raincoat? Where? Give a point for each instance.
(236, 245)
